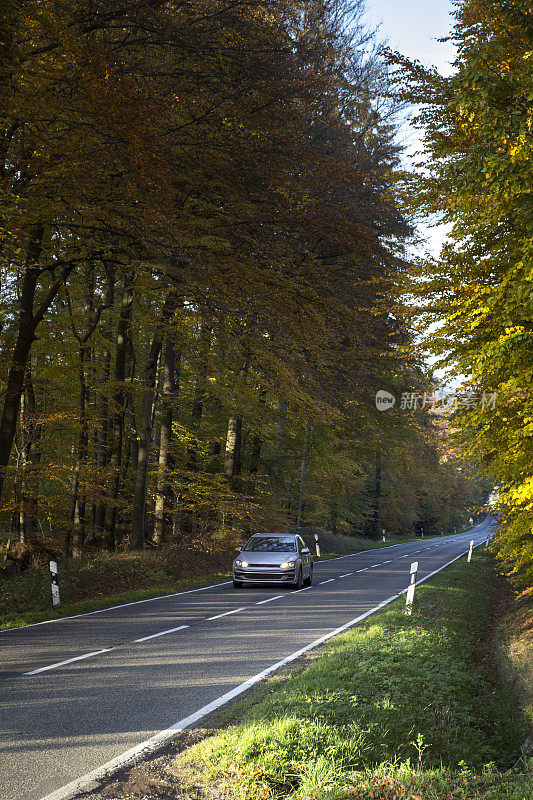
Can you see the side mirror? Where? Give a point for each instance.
(238, 549)
(305, 550)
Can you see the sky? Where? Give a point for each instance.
(413, 27)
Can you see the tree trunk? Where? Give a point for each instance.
(145, 436)
(34, 454)
(78, 500)
(145, 428)
(117, 420)
(102, 444)
(333, 516)
(199, 394)
(255, 455)
(303, 476)
(165, 435)
(375, 527)
(25, 336)
(22, 470)
(232, 456)
(281, 433)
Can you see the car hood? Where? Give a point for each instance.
(264, 559)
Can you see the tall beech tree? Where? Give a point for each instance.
(477, 295)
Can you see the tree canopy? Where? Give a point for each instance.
(201, 243)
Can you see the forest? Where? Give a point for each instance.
(207, 274)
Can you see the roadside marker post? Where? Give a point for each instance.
(383, 532)
(317, 546)
(410, 596)
(469, 559)
(56, 600)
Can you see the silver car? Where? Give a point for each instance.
(273, 558)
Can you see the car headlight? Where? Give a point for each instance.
(239, 563)
(287, 564)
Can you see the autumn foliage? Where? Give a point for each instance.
(201, 243)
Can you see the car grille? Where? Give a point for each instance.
(256, 573)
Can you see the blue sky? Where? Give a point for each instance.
(412, 27)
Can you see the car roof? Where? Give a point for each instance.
(279, 535)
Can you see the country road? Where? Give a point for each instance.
(76, 693)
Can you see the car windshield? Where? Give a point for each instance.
(271, 544)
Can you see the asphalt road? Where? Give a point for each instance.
(77, 693)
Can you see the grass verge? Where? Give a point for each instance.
(514, 639)
(106, 580)
(403, 708)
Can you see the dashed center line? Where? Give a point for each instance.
(346, 575)
(388, 562)
(328, 581)
(374, 565)
(227, 613)
(68, 661)
(269, 599)
(363, 570)
(161, 633)
(305, 589)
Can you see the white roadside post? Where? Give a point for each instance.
(383, 532)
(470, 551)
(411, 589)
(317, 546)
(422, 532)
(55, 584)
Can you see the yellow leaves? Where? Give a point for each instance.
(521, 149)
(521, 494)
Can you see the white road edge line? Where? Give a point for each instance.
(143, 749)
(328, 581)
(269, 599)
(346, 575)
(161, 633)
(68, 661)
(146, 747)
(305, 589)
(226, 613)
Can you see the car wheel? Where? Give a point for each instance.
(237, 584)
(309, 580)
(299, 582)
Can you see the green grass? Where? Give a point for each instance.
(405, 707)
